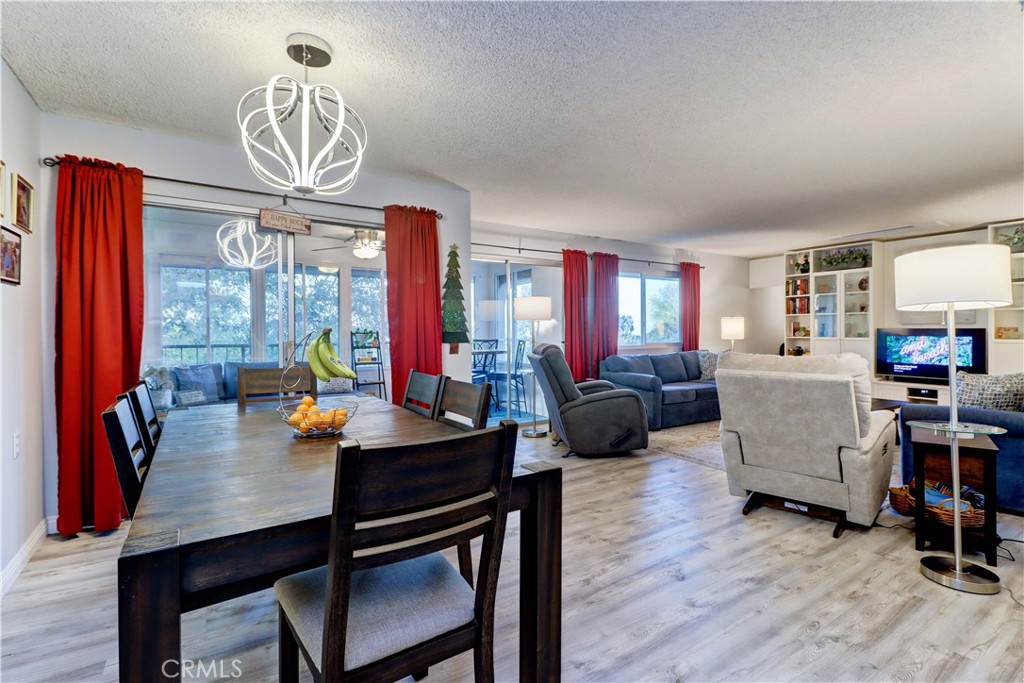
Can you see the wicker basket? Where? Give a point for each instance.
(901, 498)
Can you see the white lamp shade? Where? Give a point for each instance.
(733, 327)
(489, 309)
(533, 308)
(967, 276)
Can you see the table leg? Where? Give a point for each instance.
(149, 616)
(540, 600)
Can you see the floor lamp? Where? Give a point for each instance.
(533, 309)
(951, 279)
(733, 329)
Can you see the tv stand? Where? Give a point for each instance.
(893, 389)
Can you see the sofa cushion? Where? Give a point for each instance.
(829, 364)
(706, 391)
(205, 378)
(677, 393)
(993, 392)
(337, 385)
(691, 361)
(231, 374)
(669, 367)
(630, 363)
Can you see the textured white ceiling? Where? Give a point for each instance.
(741, 128)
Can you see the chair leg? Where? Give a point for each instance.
(466, 562)
(287, 651)
(483, 660)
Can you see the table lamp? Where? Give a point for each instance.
(732, 329)
(951, 279)
(533, 308)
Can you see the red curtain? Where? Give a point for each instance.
(414, 294)
(689, 304)
(574, 289)
(99, 317)
(606, 307)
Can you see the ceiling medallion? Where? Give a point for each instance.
(302, 137)
(239, 245)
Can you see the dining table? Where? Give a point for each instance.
(232, 502)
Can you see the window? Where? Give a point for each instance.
(369, 308)
(206, 314)
(648, 310)
(317, 297)
(522, 286)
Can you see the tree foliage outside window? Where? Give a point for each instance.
(206, 314)
(368, 312)
(648, 310)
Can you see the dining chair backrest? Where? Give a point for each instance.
(257, 385)
(520, 355)
(131, 457)
(145, 414)
(397, 502)
(463, 404)
(421, 393)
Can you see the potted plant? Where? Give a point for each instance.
(1014, 240)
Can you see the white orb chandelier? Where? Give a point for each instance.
(302, 137)
(239, 245)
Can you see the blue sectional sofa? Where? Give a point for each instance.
(669, 384)
(218, 383)
(1009, 461)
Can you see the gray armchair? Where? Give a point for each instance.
(593, 418)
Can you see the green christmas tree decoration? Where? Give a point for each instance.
(454, 327)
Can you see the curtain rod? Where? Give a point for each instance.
(52, 161)
(551, 251)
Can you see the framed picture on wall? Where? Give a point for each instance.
(10, 256)
(21, 202)
(3, 189)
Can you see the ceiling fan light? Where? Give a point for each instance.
(365, 251)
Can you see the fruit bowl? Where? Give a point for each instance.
(308, 419)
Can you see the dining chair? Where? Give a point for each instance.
(389, 604)
(144, 411)
(128, 449)
(516, 383)
(484, 363)
(257, 385)
(463, 404)
(421, 393)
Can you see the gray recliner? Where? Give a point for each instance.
(593, 418)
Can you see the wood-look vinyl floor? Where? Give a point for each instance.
(663, 580)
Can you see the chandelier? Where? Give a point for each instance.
(302, 137)
(239, 245)
(367, 245)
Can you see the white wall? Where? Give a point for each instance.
(724, 290)
(767, 321)
(168, 156)
(21, 335)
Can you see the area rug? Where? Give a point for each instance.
(698, 443)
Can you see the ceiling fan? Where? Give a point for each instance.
(365, 244)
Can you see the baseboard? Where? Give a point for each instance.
(51, 525)
(13, 569)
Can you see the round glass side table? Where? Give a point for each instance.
(954, 572)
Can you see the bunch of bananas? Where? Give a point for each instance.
(324, 361)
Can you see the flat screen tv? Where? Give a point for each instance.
(923, 354)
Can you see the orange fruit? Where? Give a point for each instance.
(301, 408)
(304, 429)
(313, 408)
(295, 420)
(308, 400)
(340, 421)
(343, 411)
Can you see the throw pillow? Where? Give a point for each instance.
(193, 378)
(709, 363)
(192, 397)
(669, 367)
(337, 385)
(992, 392)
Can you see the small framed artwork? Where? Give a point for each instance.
(3, 189)
(10, 256)
(21, 202)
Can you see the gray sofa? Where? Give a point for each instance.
(669, 384)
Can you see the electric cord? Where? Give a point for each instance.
(1012, 596)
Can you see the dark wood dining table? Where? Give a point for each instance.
(233, 502)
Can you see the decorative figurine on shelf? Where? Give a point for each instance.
(800, 264)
